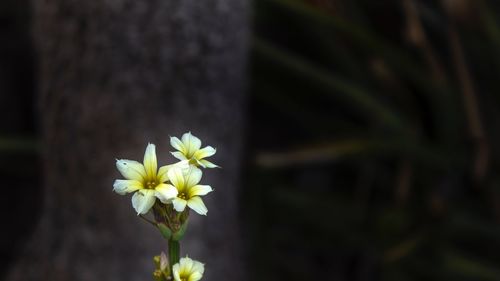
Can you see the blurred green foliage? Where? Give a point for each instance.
(374, 125)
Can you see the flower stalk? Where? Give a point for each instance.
(174, 249)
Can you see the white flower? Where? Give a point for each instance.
(189, 149)
(188, 270)
(145, 180)
(188, 190)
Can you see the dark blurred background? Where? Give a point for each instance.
(370, 139)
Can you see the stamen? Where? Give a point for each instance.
(151, 184)
(182, 195)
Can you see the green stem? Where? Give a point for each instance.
(173, 252)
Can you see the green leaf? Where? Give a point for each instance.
(179, 234)
(165, 231)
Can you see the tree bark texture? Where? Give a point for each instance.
(115, 74)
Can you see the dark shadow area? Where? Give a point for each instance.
(371, 140)
(19, 161)
(374, 131)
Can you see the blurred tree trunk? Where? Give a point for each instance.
(114, 75)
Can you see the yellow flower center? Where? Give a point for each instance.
(150, 184)
(182, 195)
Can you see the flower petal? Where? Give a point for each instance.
(186, 265)
(123, 187)
(199, 190)
(197, 205)
(162, 175)
(207, 164)
(193, 176)
(176, 177)
(150, 161)
(179, 155)
(183, 165)
(163, 261)
(166, 192)
(179, 204)
(204, 152)
(177, 144)
(131, 170)
(191, 143)
(195, 276)
(198, 163)
(176, 269)
(143, 200)
(198, 267)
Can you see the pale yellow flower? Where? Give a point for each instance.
(189, 149)
(146, 180)
(188, 270)
(188, 190)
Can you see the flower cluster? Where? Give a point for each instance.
(170, 191)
